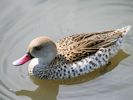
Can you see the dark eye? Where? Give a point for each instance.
(38, 48)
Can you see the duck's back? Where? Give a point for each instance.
(78, 46)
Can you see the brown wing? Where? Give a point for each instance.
(78, 46)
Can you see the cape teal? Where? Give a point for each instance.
(73, 55)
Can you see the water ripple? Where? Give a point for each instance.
(25, 20)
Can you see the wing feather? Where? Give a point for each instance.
(79, 46)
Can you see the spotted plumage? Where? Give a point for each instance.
(75, 55)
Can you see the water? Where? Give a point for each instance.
(23, 20)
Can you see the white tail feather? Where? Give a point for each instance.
(124, 30)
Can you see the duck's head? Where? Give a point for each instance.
(42, 48)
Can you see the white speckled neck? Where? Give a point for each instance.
(34, 64)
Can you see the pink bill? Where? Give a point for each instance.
(22, 60)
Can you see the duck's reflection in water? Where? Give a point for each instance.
(48, 89)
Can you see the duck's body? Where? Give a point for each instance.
(77, 54)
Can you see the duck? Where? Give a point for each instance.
(72, 56)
